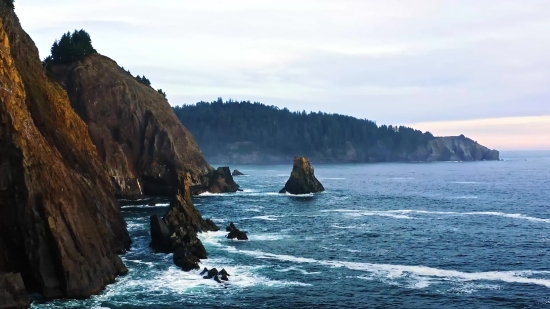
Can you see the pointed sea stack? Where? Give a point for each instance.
(302, 179)
(177, 231)
(237, 173)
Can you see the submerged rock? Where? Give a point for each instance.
(12, 292)
(211, 273)
(235, 233)
(237, 173)
(302, 179)
(204, 271)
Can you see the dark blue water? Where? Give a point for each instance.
(438, 235)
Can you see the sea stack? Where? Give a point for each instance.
(302, 179)
(177, 231)
(237, 173)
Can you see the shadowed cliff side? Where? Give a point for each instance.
(60, 227)
(134, 128)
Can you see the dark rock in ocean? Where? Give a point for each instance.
(217, 279)
(60, 226)
(184, 259)
(217, 181)
(177, 231)
(235, 233)
(160, 235)
(204, 271)
(224, 275)
(12, 292)
(237, 173)
(302, 179)
(211, 273)
(182, 212)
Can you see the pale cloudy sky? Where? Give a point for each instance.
(477, 67)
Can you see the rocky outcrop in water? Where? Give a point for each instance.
(217, 181)
(235, 233)
(136, 132)
(177, 231)
(60, 226)
(302, 179)
(237, 173)
(459, 148)
(12, 292)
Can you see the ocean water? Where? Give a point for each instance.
(423, 235)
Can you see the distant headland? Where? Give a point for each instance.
(253, 133)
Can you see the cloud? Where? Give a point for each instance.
(393, 61)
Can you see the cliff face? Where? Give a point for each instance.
(451, 148)
(60, 226)
(135, 130)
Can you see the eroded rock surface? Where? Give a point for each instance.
(136, 132)
(217, 181)
(12, 292)
(302, 179)
(237, 173)
(60, 226)
(177, 231)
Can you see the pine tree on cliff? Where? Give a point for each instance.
(70, 48)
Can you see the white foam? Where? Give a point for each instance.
(266, 237)
(146, 206)
(403, 214)
(268, 218)
(429, 275)
(297, 269)
(329, 178)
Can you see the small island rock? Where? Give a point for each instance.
(237, 173)
(235, 233)
(302, 179)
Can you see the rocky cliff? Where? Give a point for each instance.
(302, 178)
(60, 226)
(135, 130)
(449, 148)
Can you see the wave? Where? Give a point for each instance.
(464, 182)
(429, 275)
(266, 217)
(404, 214)
(328, 178)
(145, 206)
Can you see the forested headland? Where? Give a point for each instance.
(260, 133)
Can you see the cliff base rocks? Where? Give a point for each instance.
(302, 179)
(177, 231)
(12, 292)
(217, 181)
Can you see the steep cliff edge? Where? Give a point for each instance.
(457, 148)
(60, 226)
(135, 130)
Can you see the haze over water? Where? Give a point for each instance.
(395, 235)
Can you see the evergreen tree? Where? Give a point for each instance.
(70, 48)
(162, 93)
(279, 131)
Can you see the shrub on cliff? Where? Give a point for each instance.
(70, 48)
(144, 80)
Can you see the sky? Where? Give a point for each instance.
(479, 68)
